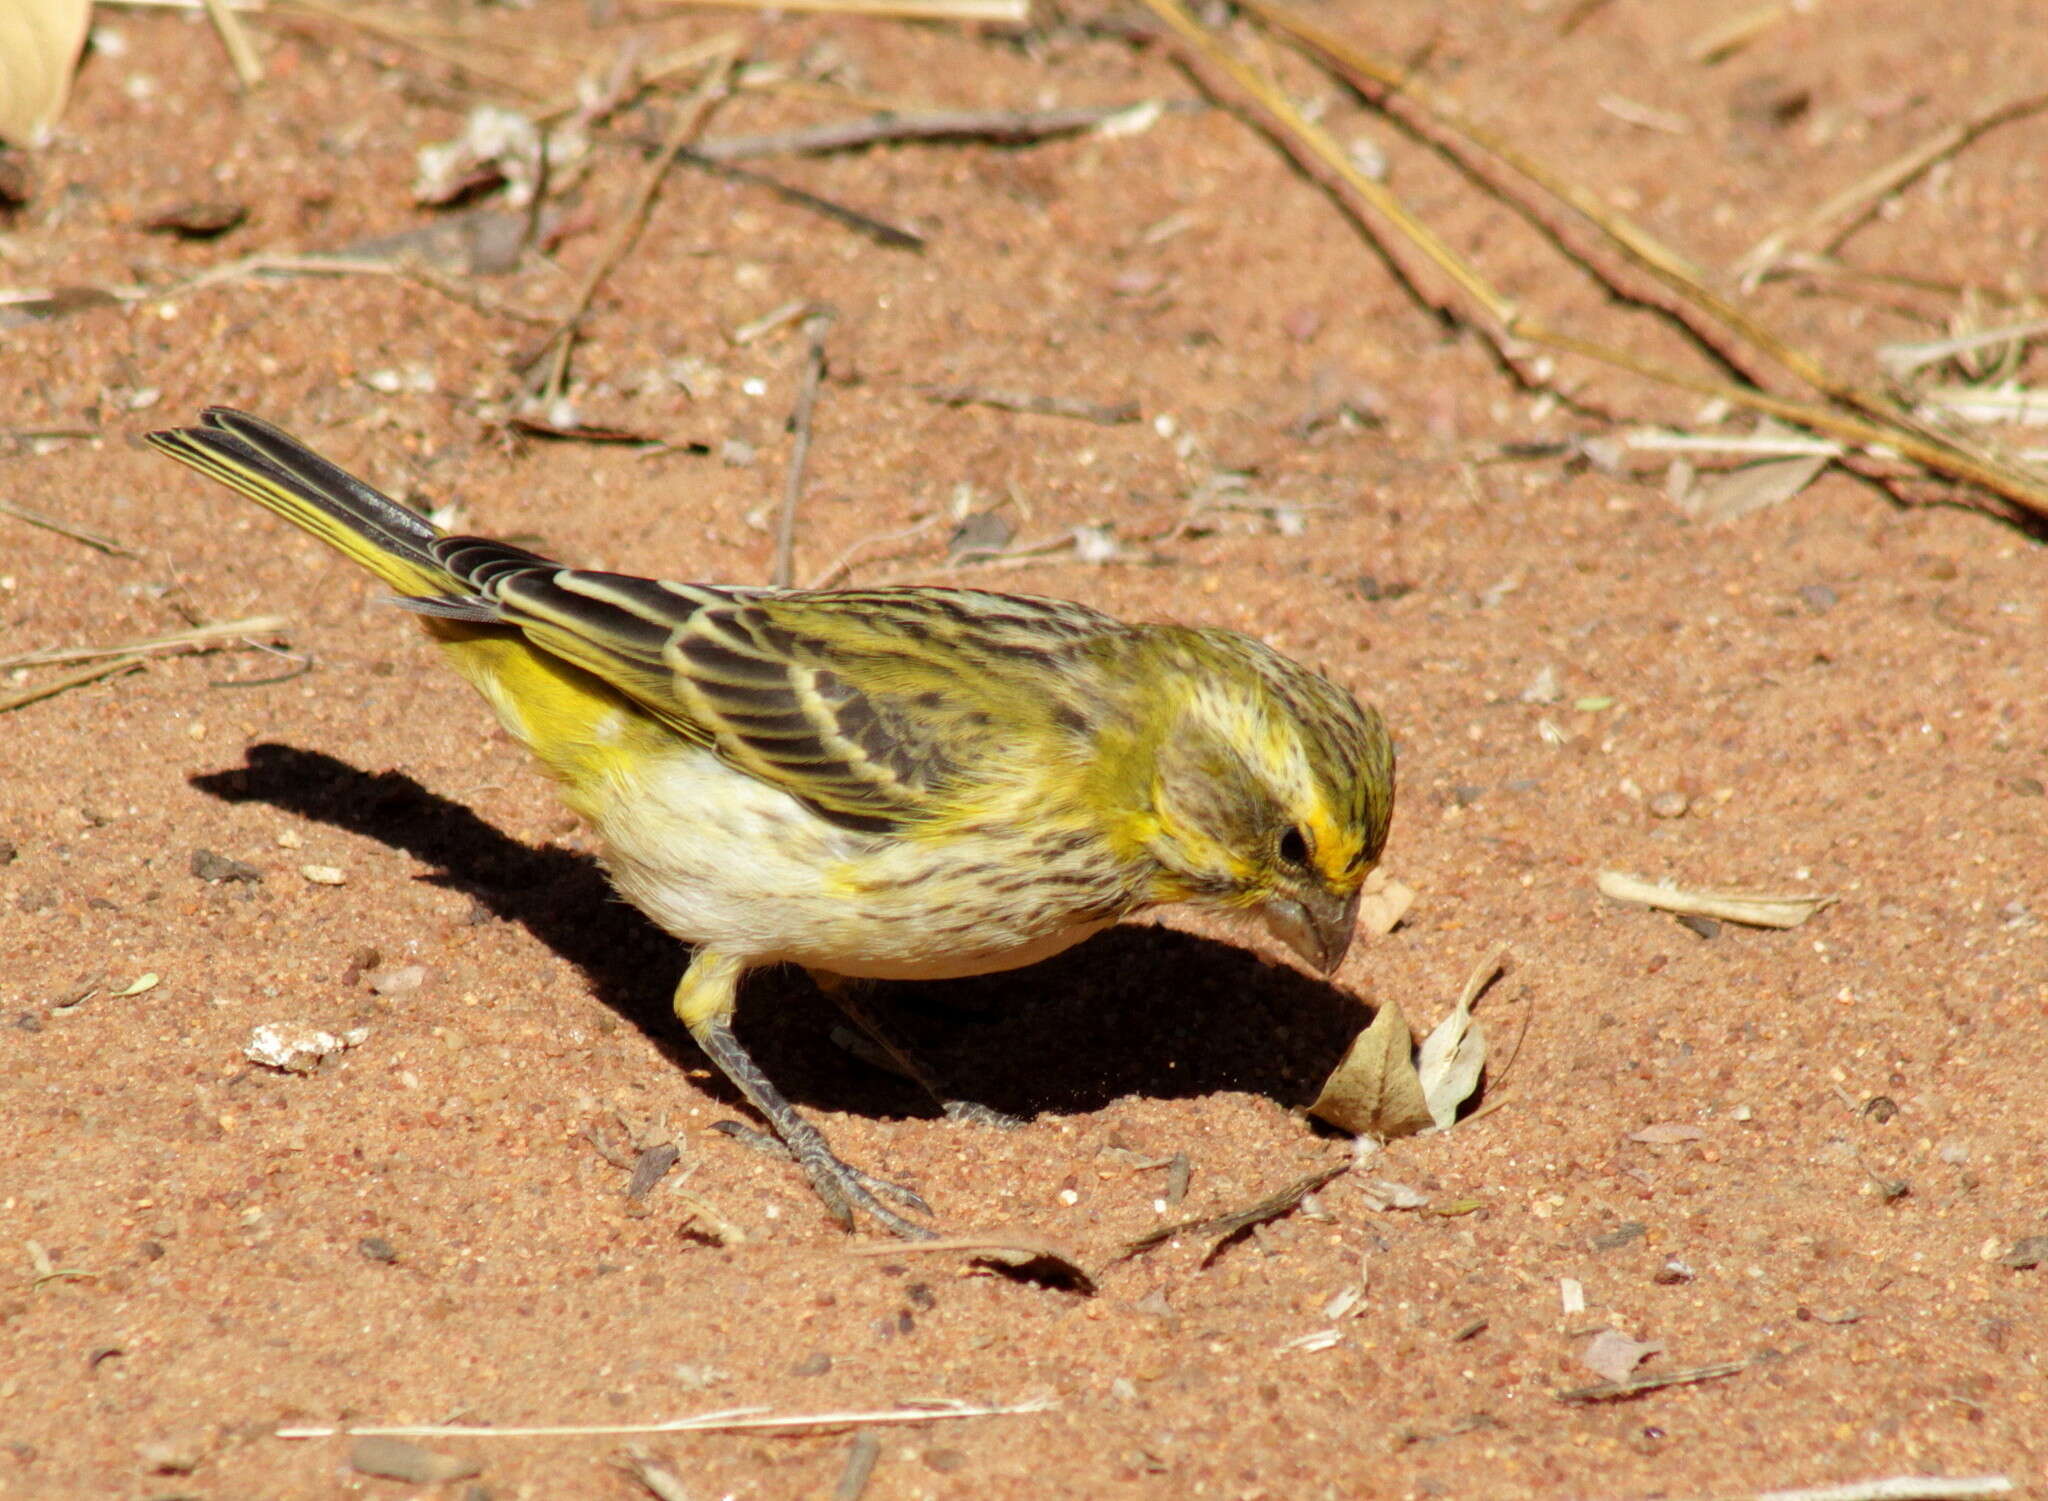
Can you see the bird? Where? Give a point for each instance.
(889, 783)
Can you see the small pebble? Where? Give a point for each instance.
(401, 981)
(214, 868)
(175, 1454)
(1673, 804)
(377, 1248)
(323, 875)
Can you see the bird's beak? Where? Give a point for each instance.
(1316, 925)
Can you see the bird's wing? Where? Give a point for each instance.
(881, 709)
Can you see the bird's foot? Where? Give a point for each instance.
(974, 1113)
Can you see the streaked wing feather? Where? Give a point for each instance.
(835, 697)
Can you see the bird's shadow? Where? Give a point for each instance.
(1134, 1011)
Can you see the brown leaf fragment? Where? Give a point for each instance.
(983, 534)
(399, 1459)
(650, 1167)
(2026, 1254)
(1619, 1236)
(577, 431)
(215, 868)
(1376, 1091)
(1614, 1355)
(663, 1483)
(60, 303)
(17, 181)
(198, 218)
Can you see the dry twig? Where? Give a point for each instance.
(1005, 127)
(76, 533)
(728, 1420)
(1873, 420)
(1220, 1229)
(234, 39)
(70, 680)
(816, 325)
(1840, 214)
(1014, 12)
(712, 87)
(1108, 414)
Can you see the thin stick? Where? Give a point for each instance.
(891, 236)
(1891, 1488)
(462, 57)
(1014, 12)
(1643, 250)
(1318, 150)
(1900, 1488)
(70, 680)
(696, 108)
(1108, 414)
(234, 37)
(1635, 1386)
(1003, 126)
(1856, 202)
(197, 638)
(730, 1420)
(815, 328)
(93, 540)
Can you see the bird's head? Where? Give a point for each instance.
(1271, 791)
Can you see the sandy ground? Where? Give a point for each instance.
(1836, 696)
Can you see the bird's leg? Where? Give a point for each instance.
(704, 1003)
(850, 996)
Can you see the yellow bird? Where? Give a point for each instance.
(905, 783)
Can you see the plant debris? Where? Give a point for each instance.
(297, 1047)
(1615, 1356)
(1729, 906)
(1223, 1228)
(1375, 1091)
(1635, 1386)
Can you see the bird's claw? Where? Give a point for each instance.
(845, 1187)
(973, 1113)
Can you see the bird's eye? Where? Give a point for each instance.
(1294, 848)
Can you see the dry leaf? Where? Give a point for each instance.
(1384, 902)
(1729, 906)
(1454, 1053)
(1753, 487)
(1614, 1355)
(1375, 1091)
(39, 45)
(1666, 1135)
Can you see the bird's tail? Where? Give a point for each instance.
(276, 470)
